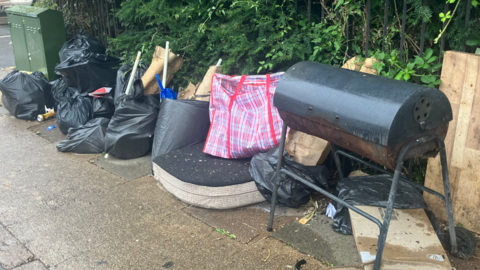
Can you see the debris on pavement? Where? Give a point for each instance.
(373, 191)
(89, 71)
(61, 91)
(306, 149)
(414, 245)
(49, 113)
(125, 138)
(331, 211)
(149, 80)
(290, 193)
(202, 91)
(103, 106)
(26, 95)
(308, 217)
(79, 43)
(86, 139)
(74, 112)
(233, 124)
(180, 123)
(298, 265)
(123, 76)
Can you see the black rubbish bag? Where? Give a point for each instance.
(103, 106)
(26, 95)
(89, 71)
(129, 134)
(79, 43)
(180, 123)
(373, 191)
(123, 75)
(86, 139)
(61, 91)
(291, 193)
(74, 112)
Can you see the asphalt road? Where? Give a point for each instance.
(6, 49)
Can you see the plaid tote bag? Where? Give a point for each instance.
(243, 119)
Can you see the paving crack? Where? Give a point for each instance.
(23, 245)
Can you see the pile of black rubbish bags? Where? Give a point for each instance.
(118, 124)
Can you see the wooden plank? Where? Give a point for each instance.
(461, 83)
(434, 173)
(463, 207)
(452, 75)
(465, 110)
(472, 158)
(473, 137)
(467, 195)
(450, 138)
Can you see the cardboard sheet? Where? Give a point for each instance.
(411, 242)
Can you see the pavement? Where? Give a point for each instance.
(61, 211)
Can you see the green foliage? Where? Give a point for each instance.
(419, 69)
(255, 37)
(419, 170)
(229, 235)
(249, 36)
(239, 32)
(51, 4)
(421, 13)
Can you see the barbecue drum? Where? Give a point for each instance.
(369, 115)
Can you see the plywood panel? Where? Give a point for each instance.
(452, 126)
(434, 174)
(453, 76)
(473, 138)
(461, 84)
(465, 110)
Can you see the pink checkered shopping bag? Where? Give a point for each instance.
(243, 119)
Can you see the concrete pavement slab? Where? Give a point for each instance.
(42, 186)
(35, 265)
(35, 178)
(113, 217)
(270, 254)
(282, 210)
(54, 135)
(129, 169)
(12, 252)
(178, 247)
(177, 239)
(247, 223)
(318, 239)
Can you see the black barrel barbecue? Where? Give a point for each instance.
(385, 120)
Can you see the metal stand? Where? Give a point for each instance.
(393, 190)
